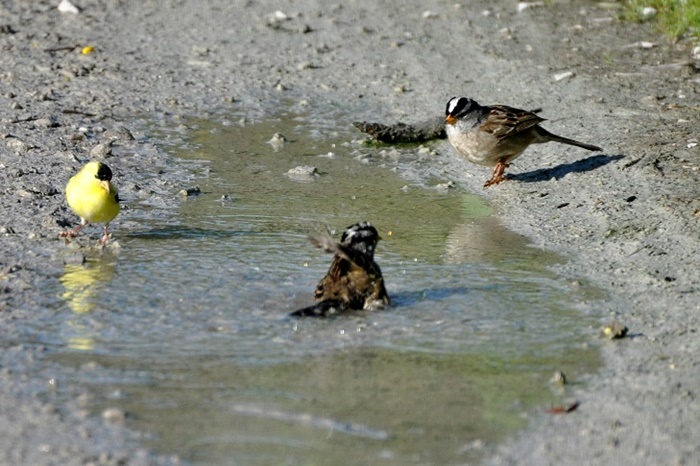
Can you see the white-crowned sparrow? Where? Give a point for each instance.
(495, 135)
(353, 281)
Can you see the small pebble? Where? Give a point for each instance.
(278, 16)
(47, 122)
(615, 330)
(303, 171)
(119, 133)
(506, 32)
(190, 191)
(277, 141)
(17, 145)
(640, 45)
(275, 20)
(564, 75)
(114, 415)
(200, 50)
(696, 53)
(44, 189)
(522, 6)
(558, 378)
(103, 149)
(444, 187)
(12, 269)
(65, 6)
(648, 12)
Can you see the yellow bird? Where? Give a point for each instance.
(92, 196)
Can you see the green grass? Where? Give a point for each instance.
(676, 18)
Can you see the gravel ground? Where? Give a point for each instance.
(626, 219)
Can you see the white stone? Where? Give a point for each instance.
(67, 7)
(564, 75)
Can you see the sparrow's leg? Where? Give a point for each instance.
(497, 175)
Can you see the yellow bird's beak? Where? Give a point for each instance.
(105, 184)
(450, 120)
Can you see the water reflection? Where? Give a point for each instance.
(83, 285)
(480, 240)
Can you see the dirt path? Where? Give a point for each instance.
(628, 219)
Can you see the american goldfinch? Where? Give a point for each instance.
(91, 195)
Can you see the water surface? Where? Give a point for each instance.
(185, 328)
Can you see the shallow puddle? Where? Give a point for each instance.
(185, 328)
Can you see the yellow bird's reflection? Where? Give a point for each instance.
(82, 285)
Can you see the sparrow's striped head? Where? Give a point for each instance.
(457, 108)
(362, 237)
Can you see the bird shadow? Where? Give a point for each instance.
(579, 166)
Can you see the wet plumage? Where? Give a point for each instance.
(354, 280)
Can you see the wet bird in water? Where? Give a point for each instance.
(354, 281)
(92, 196)
(495, 135)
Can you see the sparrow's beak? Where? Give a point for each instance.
(450, 120)
(105, 184)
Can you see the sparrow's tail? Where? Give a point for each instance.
(321, 309)
(563, 140)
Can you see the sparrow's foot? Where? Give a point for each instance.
(497, 175)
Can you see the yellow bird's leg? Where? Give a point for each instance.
(74, 232)
(105, 238)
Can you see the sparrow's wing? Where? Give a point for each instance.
(323, 240)
(503, 121)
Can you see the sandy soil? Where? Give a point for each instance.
(627, 219)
